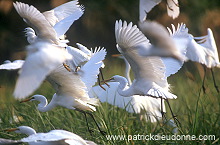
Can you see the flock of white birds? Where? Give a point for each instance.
(150, 50)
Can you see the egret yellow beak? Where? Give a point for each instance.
(26, 100)
(11, 130)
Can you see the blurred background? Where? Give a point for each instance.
(96, 26)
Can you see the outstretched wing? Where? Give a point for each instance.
(128, 36)
(37, 66)
(36, 20)
(180, 36)
(62, 26)
(89, 72)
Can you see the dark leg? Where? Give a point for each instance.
(99, 82)
(101, 131)
(90, 131)
(102, 77)
(203, 81)
(174, 116)
(213, 77)
(87, 123)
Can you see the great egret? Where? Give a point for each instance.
(148, 107)
(201, 49)
(46, 51)
(145, 6)
(72, 87)
(53, 137)
(149, 72)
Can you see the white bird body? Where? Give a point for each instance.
(42, 59)
(50, 25)
(8, 65)
(72, 87)
(147, 107)
(145, 6)
(149, 72)
(45, 51)
(53, 137)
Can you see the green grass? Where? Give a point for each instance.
(197, 112)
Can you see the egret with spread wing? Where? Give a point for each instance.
(72, 87)
(46, 50)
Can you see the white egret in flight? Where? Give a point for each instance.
(53, 137)
(46, 51)
(72, 86)
(149, 72)
(202, 50)
(149, 108)
(145, 6)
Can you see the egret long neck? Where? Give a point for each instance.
(127, 71)
(123, 90)
(44, 106)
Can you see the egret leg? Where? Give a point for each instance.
(162, 112)
(90, 114)
(87, 123)
(102, 77)
(99, 82)
(203, 81)
(173, 116)
(101, 131)
(213, 77)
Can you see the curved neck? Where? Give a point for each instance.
(44, 106)
(30, 131)
(123, 90)
(127, 71)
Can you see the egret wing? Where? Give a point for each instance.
(89, 72)
(36, 20)
(17, 64)
(37, 66)
(62, 26)
(180, 37)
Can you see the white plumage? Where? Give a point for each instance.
(53, 137)
(45, 51)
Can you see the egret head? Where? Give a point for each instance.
(116, 78)
(33, 98)
(22, 129)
